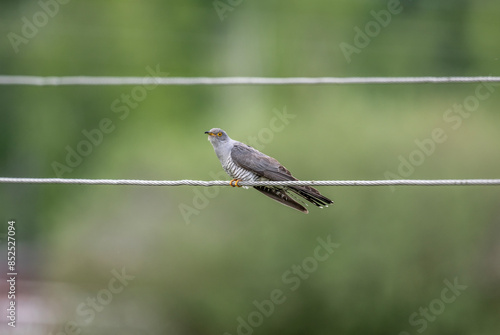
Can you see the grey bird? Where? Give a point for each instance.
(244, 163)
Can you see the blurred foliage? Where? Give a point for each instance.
(397, 246)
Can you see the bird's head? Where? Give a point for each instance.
(217, 136)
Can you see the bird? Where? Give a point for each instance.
(245, 163)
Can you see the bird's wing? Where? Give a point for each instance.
(268, 167)
(255, 161)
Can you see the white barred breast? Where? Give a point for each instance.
(238, 172)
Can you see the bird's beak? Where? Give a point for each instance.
(209, 133)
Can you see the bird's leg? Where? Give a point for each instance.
(235, 181)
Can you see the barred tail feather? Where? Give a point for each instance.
(312, 195)
(282, 197)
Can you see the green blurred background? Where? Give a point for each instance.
(200, 260)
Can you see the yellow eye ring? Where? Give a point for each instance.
(219, 134)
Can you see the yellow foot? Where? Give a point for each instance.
(235, 181)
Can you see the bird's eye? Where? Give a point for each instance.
(219, 134)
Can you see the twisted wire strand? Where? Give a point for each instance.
(88, 80)
(187, 182)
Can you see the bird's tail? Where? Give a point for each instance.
(281, 196)
(312, 195)
(288, 196)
